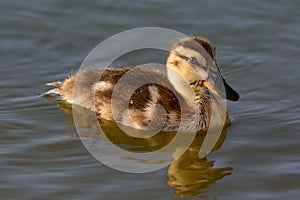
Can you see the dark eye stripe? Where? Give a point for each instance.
(182, 56)
(192, 60)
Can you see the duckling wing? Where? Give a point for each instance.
(142, 98)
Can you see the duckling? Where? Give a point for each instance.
(191, 82)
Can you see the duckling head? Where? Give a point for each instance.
(192, 63)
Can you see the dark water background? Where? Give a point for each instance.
(258, 48)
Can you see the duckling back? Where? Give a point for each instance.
(150, 106)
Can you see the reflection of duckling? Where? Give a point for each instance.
(191, 175)
(189, 80)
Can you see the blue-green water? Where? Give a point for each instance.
(258, 48)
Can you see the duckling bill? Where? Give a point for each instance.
(192, 82)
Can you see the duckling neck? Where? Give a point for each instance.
(198, 100)
(182, 87)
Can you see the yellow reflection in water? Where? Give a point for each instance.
(191, 175)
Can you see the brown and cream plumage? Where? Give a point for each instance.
(180, 94)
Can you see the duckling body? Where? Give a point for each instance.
(178, 95)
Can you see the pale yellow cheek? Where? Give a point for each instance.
(187, 72)
(183, 68)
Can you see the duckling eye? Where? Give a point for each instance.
(193, 60)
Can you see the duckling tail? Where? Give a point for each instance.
(63, 89)
(56, 90)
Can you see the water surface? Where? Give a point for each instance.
(257, 50)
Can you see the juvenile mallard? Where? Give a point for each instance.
(189, 80)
